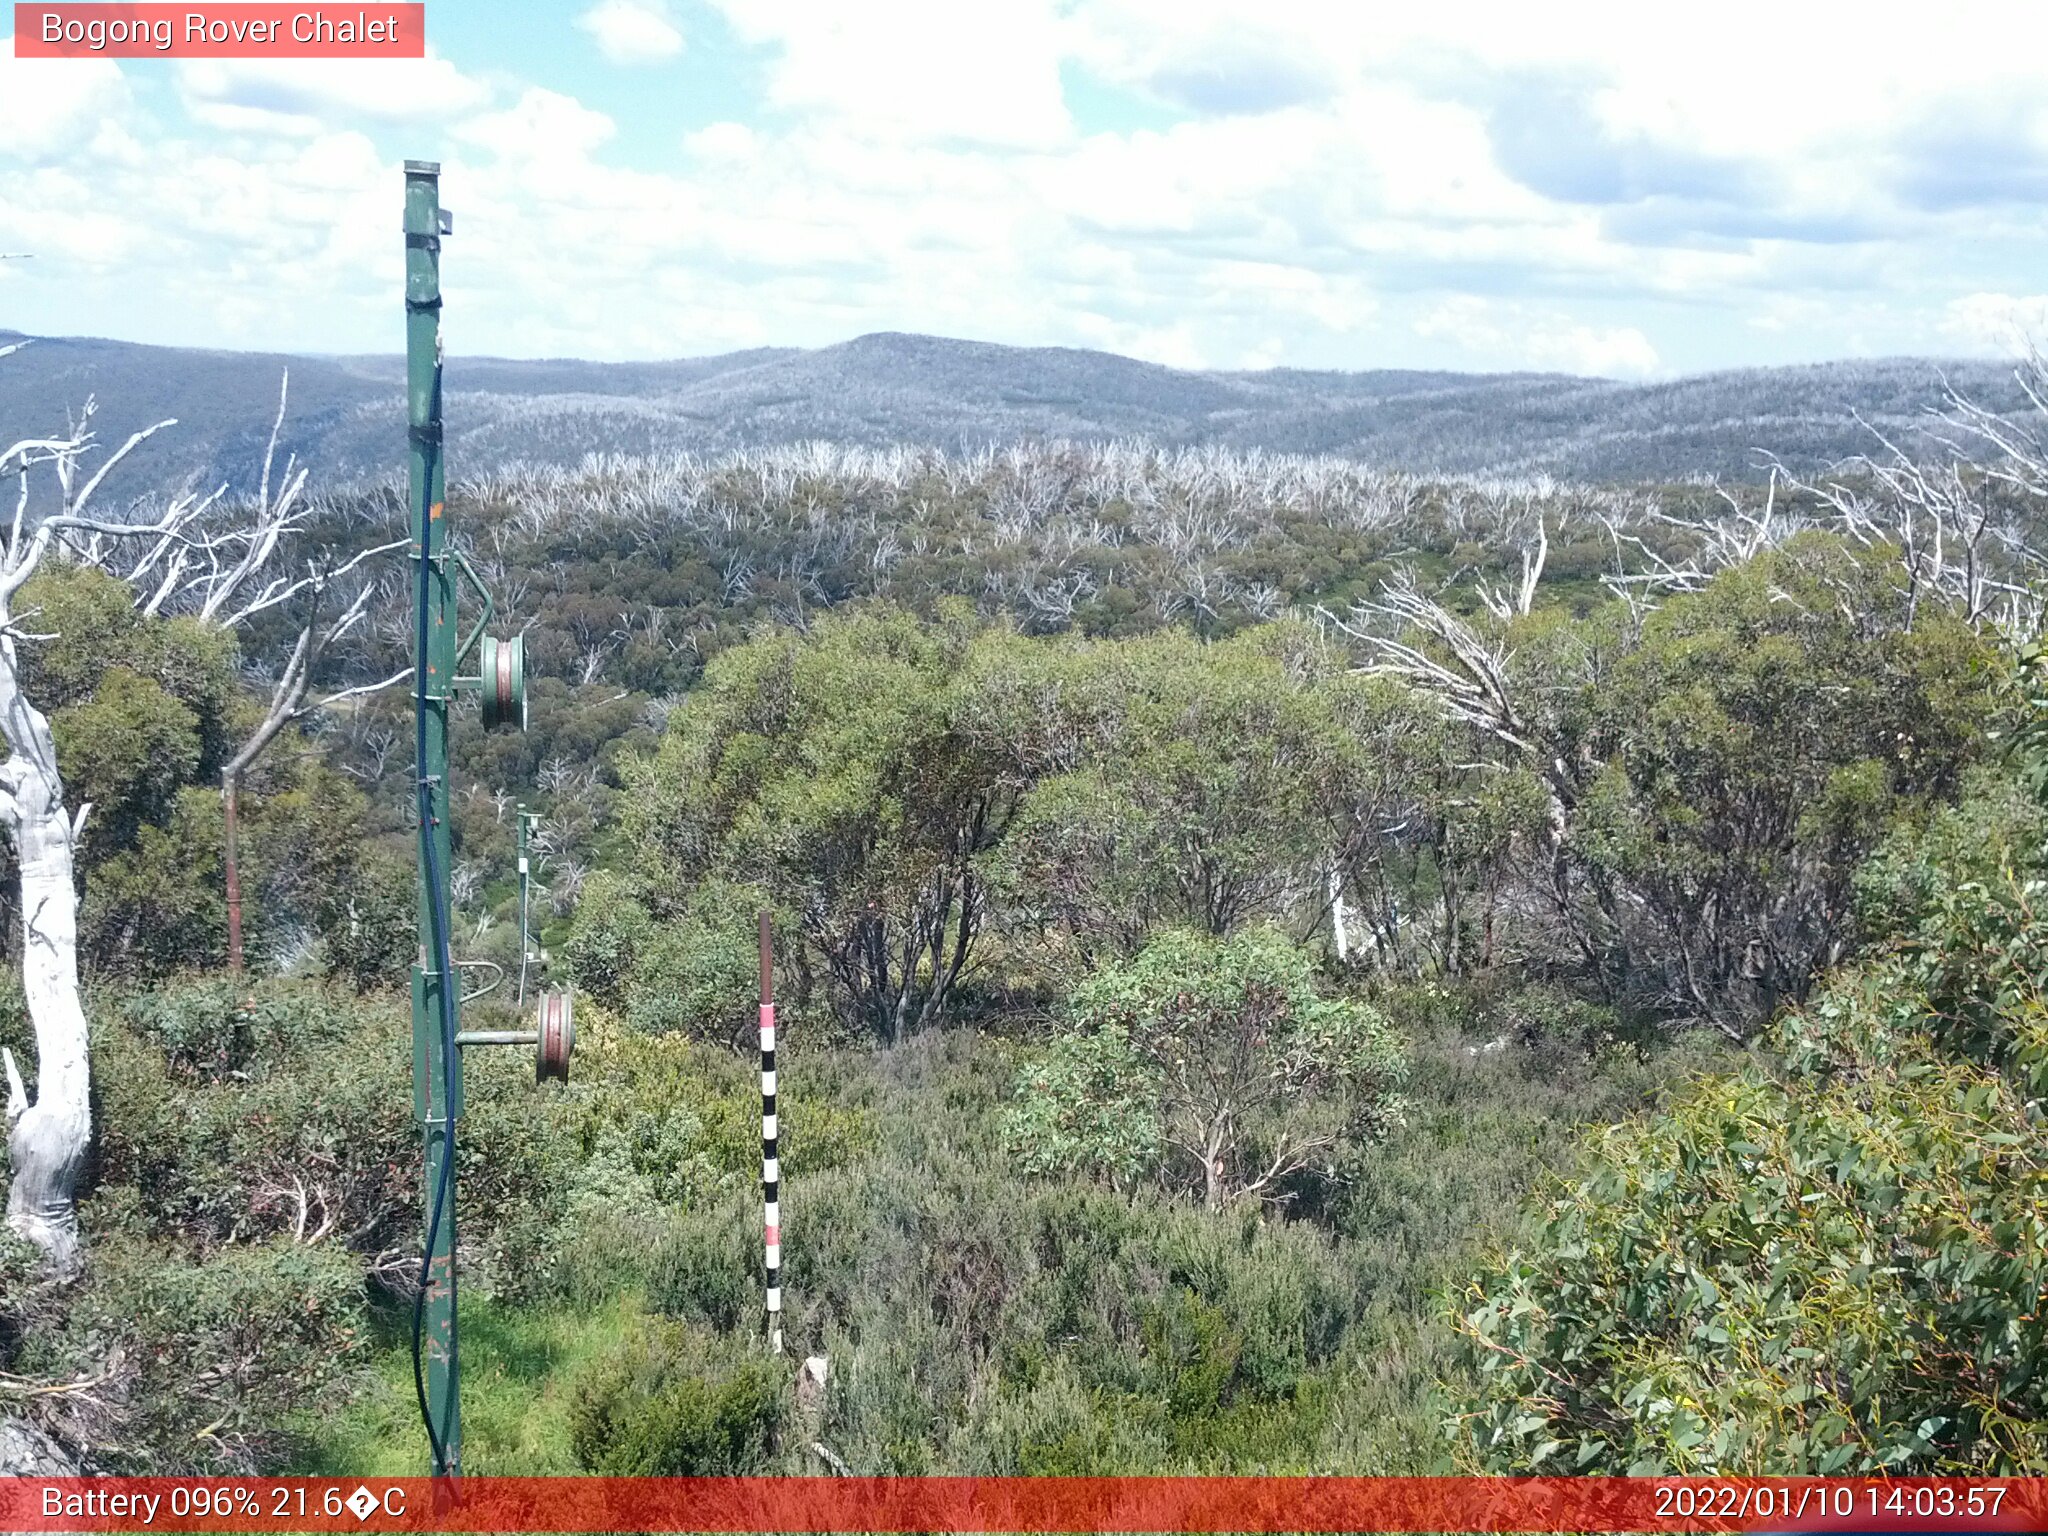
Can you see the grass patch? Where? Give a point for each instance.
(519, 1369)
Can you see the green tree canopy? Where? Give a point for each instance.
(1215, 1064)
(1753, 748)
(1833, 1260)
(825, 769)
(1173, 782)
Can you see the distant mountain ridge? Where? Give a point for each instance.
(347, 421)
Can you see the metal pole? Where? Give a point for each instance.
(771, 1167)
(498, 1037)
(437, 1080)
(525, 933)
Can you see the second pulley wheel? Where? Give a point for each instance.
(557, 1038)
(503, 665)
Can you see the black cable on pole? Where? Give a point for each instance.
(437, 923)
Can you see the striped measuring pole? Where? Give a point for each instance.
(771, 1167)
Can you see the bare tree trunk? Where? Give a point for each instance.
(1338, 924)
(47, 1139)
(287, 703)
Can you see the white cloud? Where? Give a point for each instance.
(304, 97)
(50, 106)
(1173, 346)
(915, 69)
(1513, 336)
(632, 31)
(278, 247)
(1463, 183)
(1204, 58)
(543, 125)
(723, 143)
(2002, 323)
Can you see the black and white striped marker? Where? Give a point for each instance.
(771, 1169)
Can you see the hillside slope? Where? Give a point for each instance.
(889, 388)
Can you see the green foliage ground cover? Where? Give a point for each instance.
(978, 1316)
(1101, 1152)
(983, 1319)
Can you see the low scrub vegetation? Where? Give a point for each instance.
(1303, 997)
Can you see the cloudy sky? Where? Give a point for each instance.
(1621, 189)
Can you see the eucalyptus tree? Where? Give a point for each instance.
(1169, 782)
(1210, 1065)
(1765, 734)
(825, 769)
(1701, 1296)
(1712, 763)
(48, 1136)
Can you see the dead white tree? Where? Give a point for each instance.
(1961, 509)
(1643, 576)
(1406, 633)
(1503, 604)
(1467, 672)
(180, 562)
(290, 700)
(1961, 516)
(230, 578)
(47, 1137)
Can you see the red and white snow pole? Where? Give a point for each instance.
(771, 1168)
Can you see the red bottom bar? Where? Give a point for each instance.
(875, 1504)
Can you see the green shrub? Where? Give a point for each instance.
(698, 974)
(1832, 1264)
(285, 1107)
(655, 1131)
(209, 1355)
(983, 1323)
(1086, 1106)
(1835, 1279)
(605, 940)
(369, 924)
(212, 1026)
(709, 1267)
(1899, 885)
(1215, 1064)
(312, 1130)
(675, 1403)
(273, 1317)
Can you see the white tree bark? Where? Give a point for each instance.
(47, 1138)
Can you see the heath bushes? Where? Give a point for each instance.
(1828, 1263)
(671, 1402)
(1209, 1065)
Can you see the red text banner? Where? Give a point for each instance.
(220, 31)
(865, 1504)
